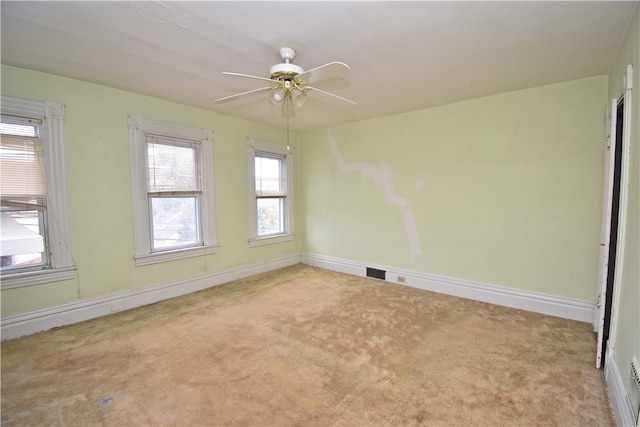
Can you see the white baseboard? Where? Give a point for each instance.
(531, 301)
(617, 393)
(42, 320)
(66, 314)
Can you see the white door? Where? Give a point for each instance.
(605, 229)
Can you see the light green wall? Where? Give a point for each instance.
(503, 190)
(99, 189)
(626, 320)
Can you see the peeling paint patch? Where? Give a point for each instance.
(383, 176)
(161, 13)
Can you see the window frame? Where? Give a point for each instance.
(58, 245)
(143, 252)
(256, 146)
(194, 193)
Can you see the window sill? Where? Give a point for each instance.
(158, 257)
(38, 277)
(267, 240)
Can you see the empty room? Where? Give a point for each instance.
(343, 213)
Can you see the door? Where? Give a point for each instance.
(609, 228)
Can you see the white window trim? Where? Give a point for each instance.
(254, 145)
(142, 228)
(52, 115)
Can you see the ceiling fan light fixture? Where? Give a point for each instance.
(277, 97)
(299, 98)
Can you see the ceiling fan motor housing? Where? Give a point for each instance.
(286, 70)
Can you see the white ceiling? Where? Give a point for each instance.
(403, 55)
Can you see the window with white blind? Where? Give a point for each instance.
(34, 238)
(270, 195)
(172, 168)
(174, 191)
(23, 195)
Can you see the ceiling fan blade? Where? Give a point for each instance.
(241, 94)
(330, 94)
(249, 76)
(326, 71)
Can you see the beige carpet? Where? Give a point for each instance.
(307, 347)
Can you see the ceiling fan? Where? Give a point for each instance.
(289, 83)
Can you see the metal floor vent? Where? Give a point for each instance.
(634, 392)
(376, 274)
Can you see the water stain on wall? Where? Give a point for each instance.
(382, 175)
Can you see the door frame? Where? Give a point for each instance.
(605, 234)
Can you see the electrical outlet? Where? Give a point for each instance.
(402, 279)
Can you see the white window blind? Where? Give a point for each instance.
(172, 166)
(21, 162)
(174, 189)
(270, 175)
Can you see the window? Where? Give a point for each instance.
(270, 195)
(23, 192)
(174, 192)
(34, 235)
(172, 168)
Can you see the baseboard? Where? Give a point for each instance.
(45, 319)
(66, 314)
(617, 394)
(531, 301)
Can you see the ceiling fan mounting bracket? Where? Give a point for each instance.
(287, 54)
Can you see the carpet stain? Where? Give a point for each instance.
(105, 401)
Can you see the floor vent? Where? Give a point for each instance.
(634, 391)
(376, 274)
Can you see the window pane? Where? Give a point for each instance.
(22, 239)
(270, 216)
(18, 129)
(22, 235)
(269, 177)
(175, 222)
(172, 168)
